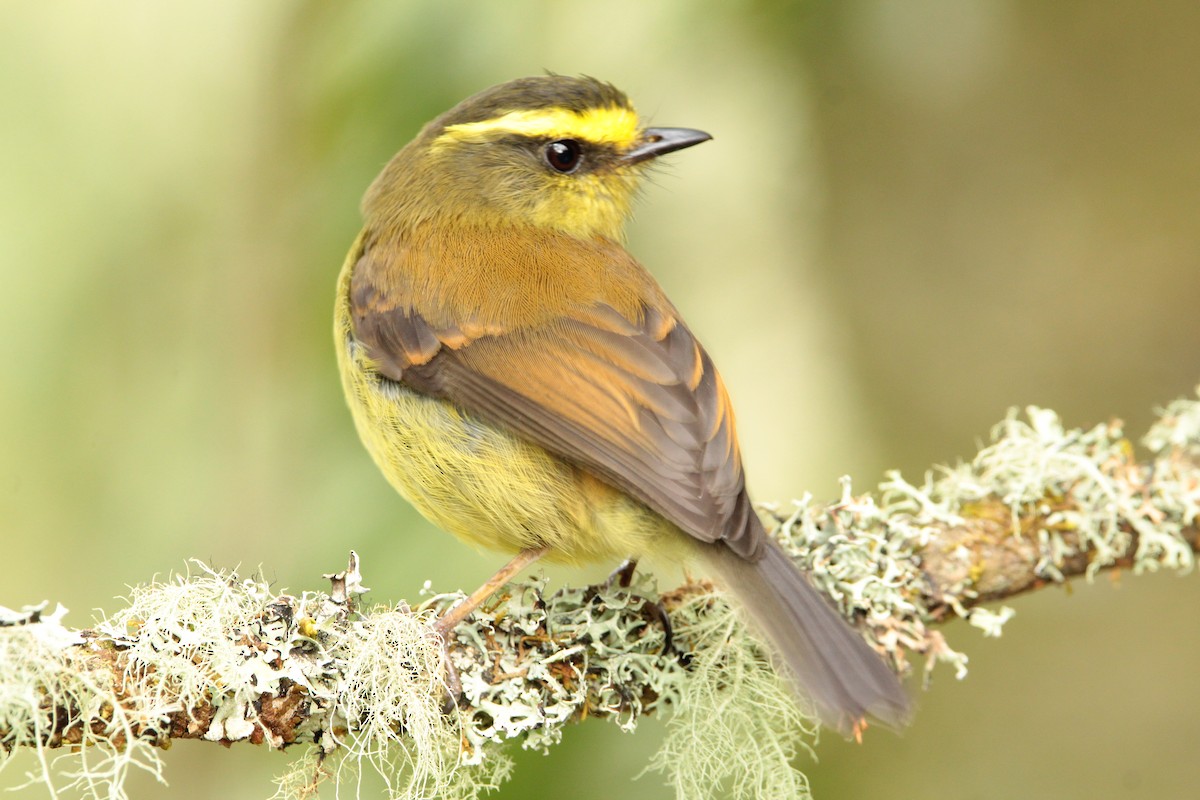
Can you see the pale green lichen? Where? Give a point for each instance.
(540, 659)
(206, 650)
(175, 639)
(865, 557)
(212, 654)
(1175, 441)
(866, 554)
(390, 697)
(1085, 482)
(49, 686)
(1177, 430)
(988, 621)
(736, 727)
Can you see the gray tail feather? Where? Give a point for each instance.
(827, 658)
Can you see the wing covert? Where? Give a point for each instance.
(637, 402)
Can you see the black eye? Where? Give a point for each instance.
(564, 155)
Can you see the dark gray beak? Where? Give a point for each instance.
(657, 141)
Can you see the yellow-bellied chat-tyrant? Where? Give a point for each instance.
(524, 382)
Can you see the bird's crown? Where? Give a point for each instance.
(543, 106)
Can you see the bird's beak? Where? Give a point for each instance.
(656, 141)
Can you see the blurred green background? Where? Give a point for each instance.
(913, 216)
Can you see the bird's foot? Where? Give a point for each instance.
(453, 683)
(623, 575)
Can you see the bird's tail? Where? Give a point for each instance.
(846, 680)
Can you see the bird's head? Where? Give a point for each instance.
(553, 152)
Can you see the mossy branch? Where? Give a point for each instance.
(211, 656)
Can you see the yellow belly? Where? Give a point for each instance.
(481, 483)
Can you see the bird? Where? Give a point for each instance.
(525, 383)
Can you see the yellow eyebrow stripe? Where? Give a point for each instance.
(611, 125)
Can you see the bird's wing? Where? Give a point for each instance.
(637, 402)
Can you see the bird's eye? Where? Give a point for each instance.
(564, 155)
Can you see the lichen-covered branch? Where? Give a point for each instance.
(1039, 505)
(212, 656)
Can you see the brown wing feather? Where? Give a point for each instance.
(635, 401)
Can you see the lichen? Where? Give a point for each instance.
(1069, 493)
(213, 655)
(540, 659)
(736, 728)
(865, 561)
(55, 692)
(394, 714)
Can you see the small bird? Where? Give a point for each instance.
(527, 385)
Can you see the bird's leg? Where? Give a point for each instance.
(623, 575)
(659, 612)
(448, 621)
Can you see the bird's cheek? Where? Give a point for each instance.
(583, 207)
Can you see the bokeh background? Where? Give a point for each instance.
(914, 215)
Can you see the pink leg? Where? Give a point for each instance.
(451, 618)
